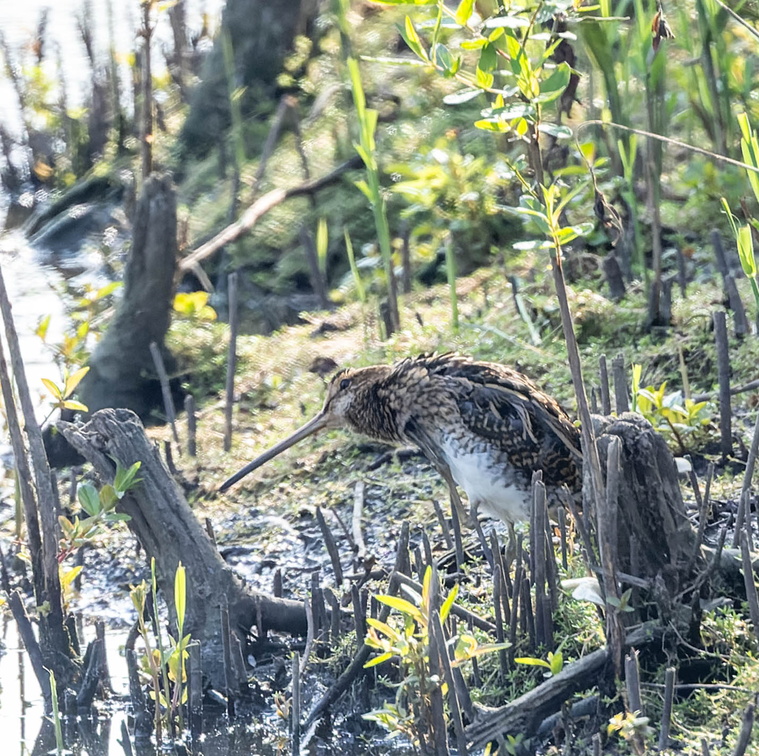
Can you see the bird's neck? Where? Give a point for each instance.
(372, 414)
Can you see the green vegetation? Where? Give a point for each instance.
(510, 157)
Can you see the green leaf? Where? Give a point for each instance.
(384, 628)
(108, 289)
(552, 87)
(125, 478)
(406, 2)
(483, 78)
(730, 217)
(412, 39)
(488, 58)
(556, 662)
(492, 124)
(746, 251)
(403, 606)
(464, 12)
(365, 190)
(448, 603)
(354, 268)
(322, 244)
(472, 44)
(180, 596)
(67, 578)
(378, 659)
(532, 662)
(72, 404)
(52, 388)
(750, 151)
(108, 496)
(442, 55)
(89, 498)
(44, 323)
(557, 81)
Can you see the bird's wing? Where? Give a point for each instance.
(498, 400)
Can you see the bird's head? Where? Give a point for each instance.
(342, 408)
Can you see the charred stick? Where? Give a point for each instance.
(455, 690)
(295, 709)
(747, 725)
(443, 525)
(457, 537)
(91, 676)
(359, 614)
(229, 398)
(621, 395)
(329, 542)
(561, 514)
(604, 383)
(666, 717)
(192, 425)
(163, 379)
(229, 672)
(723, 376)
(334, 617)
(29, 640)
(632, 683)
(486, 552)
(359, 497)
(498, 590)
(195, 692)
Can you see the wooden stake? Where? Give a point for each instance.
(747, 725)
(666, 717)
(604, 382)
(723, 376)
(192, 425)
(295, 710)
(329, 542)
(231, 360)
(621, 395)
(53, 630)
(168, 401)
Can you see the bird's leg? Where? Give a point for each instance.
(456, 502)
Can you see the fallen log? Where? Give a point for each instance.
(168, 531)
(525, 714)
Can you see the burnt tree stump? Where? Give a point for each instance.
(654, 535)
(165, 526)
(122, 373)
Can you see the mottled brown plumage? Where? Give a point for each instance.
(484, 426)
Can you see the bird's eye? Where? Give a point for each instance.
(345, 383)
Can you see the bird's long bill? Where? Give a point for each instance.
(311, 427)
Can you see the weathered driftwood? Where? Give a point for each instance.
(165, 526)
(524, 714)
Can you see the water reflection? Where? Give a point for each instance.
(25, 730)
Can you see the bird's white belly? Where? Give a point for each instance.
(489, 487)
